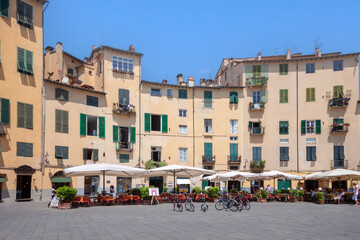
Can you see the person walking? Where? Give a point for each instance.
(356, 193)
(53, 194)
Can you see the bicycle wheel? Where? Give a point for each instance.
(247, 205)
(233, 205)
(219, 205)
(180, 207)
(192, 207)
(203, 207)
(240, 205)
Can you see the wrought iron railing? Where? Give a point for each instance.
(208, 159)
(234, 159)
(257, 131)
(257, 106)
(257, 81)
(339, 163)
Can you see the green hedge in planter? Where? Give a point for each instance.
(145, 193)
(66, 194)
(320, 196)
(135, 191)
(213, 192)
(196, 190)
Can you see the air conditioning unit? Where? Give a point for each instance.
(2, 129)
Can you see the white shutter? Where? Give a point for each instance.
(185, 155)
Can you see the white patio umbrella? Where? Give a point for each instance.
(276, 175)
(103, 168)
(314, 176)
(177, 170)
(342, 174)
(233, 175)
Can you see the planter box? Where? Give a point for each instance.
(320, 201)
(64, 205)
(261, 200)
(146, 202)
(293, 200)
(214, 199)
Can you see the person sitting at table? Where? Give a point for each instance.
(112, 191)
(313, 193)
(340, 196)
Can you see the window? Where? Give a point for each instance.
(283, 95)
(338, 125)
(208, 99)
(234, 156)
(155, 123)
(233, 138)
(208, 167)
(208, 125)
(208, 153)
(156, 154)
(24, 61)
(256, 97)
(182, 93)
(92, 125)
(182, 112)
(61, 94)
(310, 68)
(283, 69)
(339, 156)
(61, 152)
(233, 126)
(338, 65)
(183, 129)
(256, 70)
(338, 92)
(183, 155)
(256, 154)
(155, 91)
(90, 154)
(24, 14)
(234, 98)
(169, 93)
(309, 126)
(92, 101)
(89, 125)
(25, 115)
(124, 96)
(255, 128)
(122, 64)
(311, 141)
(24, 149)
(233, 168)
(284, 127)
(284, 140)
(71, 72)
(91, 184)
(4, 8)
(284, 153)
(124, 158)
(310, 153)
(4, 111)
(310, 95)
(61, 121)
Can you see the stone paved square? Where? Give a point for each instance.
(276, 220)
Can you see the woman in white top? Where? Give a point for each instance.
(356, 193)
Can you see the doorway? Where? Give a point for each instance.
(284, 184)
(23, 187)
(124, 137)
(256, 185)
(339, 185)
(157, 182)
(311, 185)
(234, 184)
(156, 154)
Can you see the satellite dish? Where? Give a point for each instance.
(65, 80)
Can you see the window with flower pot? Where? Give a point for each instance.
(121, 64)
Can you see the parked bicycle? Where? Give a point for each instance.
(226, 203)
(243, 202)
(177, 203)
(189, 205)
(204, 205)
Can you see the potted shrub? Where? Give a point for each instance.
(135, 191)
(294, 195)
(145, 195)
(262, 196)
(301, 195)
(213, 193)
(66, 195)
(165, 189)
(320, 198)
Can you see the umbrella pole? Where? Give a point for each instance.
(174, 183)
(103, 183)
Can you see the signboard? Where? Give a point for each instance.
(153, 192)
(170, 184)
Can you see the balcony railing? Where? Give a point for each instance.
(340, 128)
(257, 131)
(124, 109)
(339, 102)
(2, 129)
(257, 166)
(257, 106)
(208, 159)
(257, 81)
(339, 163)
(234, 159)
(123, 146)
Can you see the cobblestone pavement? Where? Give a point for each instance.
(264, 221)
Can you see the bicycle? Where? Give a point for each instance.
(225, 202)
(244, 201)
(204, 206)
(189, 205)
(178, 206)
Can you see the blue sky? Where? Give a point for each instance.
(192, 37)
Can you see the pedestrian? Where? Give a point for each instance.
(53, 194)
(268, 188)
(356, 193)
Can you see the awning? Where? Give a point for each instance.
(61, 179)
(2, 179)
(183, 181)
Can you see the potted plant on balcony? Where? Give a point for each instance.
(257, 166)
(66, 195)
(320, 198)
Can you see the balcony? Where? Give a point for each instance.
(257, 106)
(234, 159)
(131, 72)
(257, 166)
(208, 159)
(339, 102)
(339, 128)
(2, 129)
(257, 81)
(123, 109)
(122, 146)
(257, 131)
(339, 163)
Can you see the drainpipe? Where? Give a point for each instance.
(297, 116)
(193, 126)
(140, 116)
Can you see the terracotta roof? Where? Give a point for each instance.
(74, 87)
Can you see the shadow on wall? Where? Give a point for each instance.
(28, 33)
(27, 80)
(2, 75)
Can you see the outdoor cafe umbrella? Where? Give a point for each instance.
(276, 175)
(233, 175)
(314, 176)
(177, 170)
(102, 168)
(342, 174)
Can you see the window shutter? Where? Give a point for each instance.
(58, 120)
(264, 96)
(286, 126)
(303, 127)
(313, 94)
(208, 95)
(341, 152)
(65, 94)
(286, 95)
(5, 111)
(281, 127)
(58, 152)
(57, 93)
(313, 154)
(20, 149)
(308, 94)
(115, 133)
(318, 126)
(29, 61)
(84, 153)
(132, 134)
(147, 122)
(286, 154)
(29, 116)
(102, 127)
(250, 124)
(233, 149)
(281, 96)
(29, 14)
(65, 152)
(95, 155)
(164, 123)
(308, 153)
(4, 8)
(82, 124)
(21, 115)
(28, 150)
(65, 122)
(21, 59)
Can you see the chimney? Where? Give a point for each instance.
(94, 47)
(164, 81)
(208, 83)
(49, 49)
(259, 56)
(179, 78)
(59, 43)
(317, 52)
(190, 81)
(202, 82)
(288, 54)
(131, 48)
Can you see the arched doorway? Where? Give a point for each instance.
(59, 180)
(23, 182)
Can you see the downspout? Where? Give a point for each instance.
(193, 127)
(139, 161)
(297, 116)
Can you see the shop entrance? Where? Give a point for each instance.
(339, 185)
(311, 185)
(284, 184)
(234, 184)
(23, 187)
(256, 185)
(157, 182)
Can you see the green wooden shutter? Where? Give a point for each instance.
(84, 153)
(5, 111)
(65, 151)
(28, 150)
(102, 127)
(132, 134)
(285, 96)
(95, 155)
(147, 122)
(164, 122)
(82, 124)
(115, 133)
(313, 94)
(29, 14)
(318, 126)
(250, 124)
(21, 59)
(20, 149)
(207, 95)
(303, 127)
(65, 122)
(58, 152)
(4, 8)
(234, 97)
(233, 150)
(286, 127)
(264, 95)
(58, 121)
(29, 116)
(29, 61)
(21, 115)
(182, 93)
(204, 184)
(308, 95)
